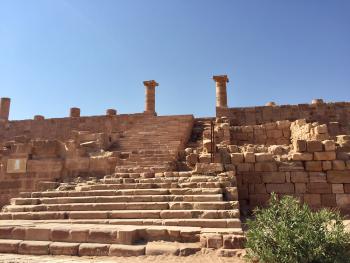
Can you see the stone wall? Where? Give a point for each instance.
(321, 112)
(268, 134)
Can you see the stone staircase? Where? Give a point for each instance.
(127, 214)
(153, 143)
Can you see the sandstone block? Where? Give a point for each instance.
(317, 177)
(337, 188)
(299, 145)
(211, 240)
(237, 158)
(266, 167)
(60, 234)
(326, 165)
(319, 188)
(258, 199)
(315, 166)
(346, 188)
(249, 157)
(300, 188)
(233, 241)
(286, 188)
(93, 249)
(263, 157)
(158, 248)
(328, 200)
(338, 165)
(343, 201)
(274, 177)
(329, 145)
(233, 148)
(313, 200)
(299, 177)
(81, 164)
(37, 233)
(324, 156)
(260, 189)
(338, 177)
(245, 167)
(209, 146)
(204, 168)
(78, 235)
(314, 146)
(302, 156)
(127, 236)
(34, 247)
(64, 248)
(9, 246)
(126, 250)
(6, 232)
(102, 236)
(192, 159)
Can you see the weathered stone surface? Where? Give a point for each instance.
(64, 248)
(314, 146)
(158, 248)
(93, 249)
(210, 168)
(34, 247)
(324, 156)
(126, 250)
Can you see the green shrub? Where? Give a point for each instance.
(289, 232)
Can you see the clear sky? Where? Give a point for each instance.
(94, 54)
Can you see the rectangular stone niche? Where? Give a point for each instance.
(18, 165)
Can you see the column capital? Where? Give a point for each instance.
(150, 83)
(221, 78)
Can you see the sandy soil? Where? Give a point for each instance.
(198, 258)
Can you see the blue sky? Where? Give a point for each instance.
(94, 54)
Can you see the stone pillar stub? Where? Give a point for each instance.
(111, 112)
(221, 93)
(5, 108)
(74, 112)
(317, 101)
(150, 93)
(39, 118)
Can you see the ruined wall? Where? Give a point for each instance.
(61, 128)
(316, 172)
(322, 112)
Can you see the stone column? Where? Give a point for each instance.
(150, 86)
(221, 94)
(5, 108)
(74, 112)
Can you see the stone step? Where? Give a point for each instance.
(218, 205)
(29, 247)
(151, 175)
(121, 192)
(143, 168)
(114, 234)
(97, 233)
(140, 215)
(197, 179)
(112, 199)
(155, 185)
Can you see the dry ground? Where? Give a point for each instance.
(198, 258)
